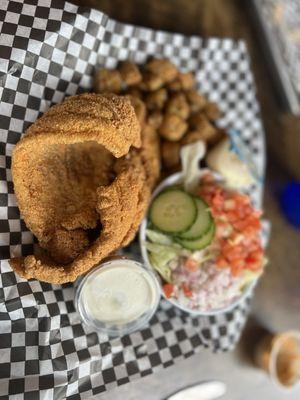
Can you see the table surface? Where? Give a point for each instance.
(277, 298)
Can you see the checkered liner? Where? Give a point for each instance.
(49, 49)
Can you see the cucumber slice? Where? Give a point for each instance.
(202, 223)
(173, 211)
(200, 243)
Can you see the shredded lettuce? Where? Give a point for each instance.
(160, 255)
(160, 266)
(173, 249)
(157, 237)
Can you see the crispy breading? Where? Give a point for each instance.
(68, 180)
(106, 119)
(66, 245)
(170, 153)
(150, 154)
(130, 73)
(172, 127)
(163, 68)
(139, 108)
(134, 158)
(107, 80)
(117, 206)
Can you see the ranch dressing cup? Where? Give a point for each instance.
(118, 297)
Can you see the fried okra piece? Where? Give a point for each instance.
(174, 86)
(173, 127)
(207, 136)
(162, 68)
(170, 152)
(139, 108)
(195, 100)
(178, 105)
(212, 111)
(107, 80)
(200, 124)
(157, 99)
(130, 73)
(187, 80)
(184, 81)
(155, 119)
(134, 92)
(150, 82)
(191, 137)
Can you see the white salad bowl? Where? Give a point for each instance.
(173, 180)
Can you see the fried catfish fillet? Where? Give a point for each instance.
(73, 173)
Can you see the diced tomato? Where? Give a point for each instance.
(187, 291)
(237, 266)
(221, 262)
(240, 212)
(237, 227)
(234, 253)
(232, 216)
(191, 265)
(240, 225)
(168, 289)
(229, 205)
(218, 201)
(251, 260)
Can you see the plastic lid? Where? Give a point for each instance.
(290, 203)
(118, 297)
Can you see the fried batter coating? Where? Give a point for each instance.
(196, 100)
(170, 152)
(66, 245)
(155, 119)
(130, 73)
(134, 92)
(150, 154)
(184, 81)
(187, 80)
(200, 123)
(117, 206)
(173, 127)
(212, 111)
(79, 184)
(151, 82)
(145, 161)
(156, 100)
(178, 105)
(107, 81)
(165, 69)
(139, 108)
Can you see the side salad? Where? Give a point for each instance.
(205, 245)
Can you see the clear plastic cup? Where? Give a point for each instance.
(118, 297)
(274, 353)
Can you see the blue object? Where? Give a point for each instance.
(290, 203)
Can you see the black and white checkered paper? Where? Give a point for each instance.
(48, 50)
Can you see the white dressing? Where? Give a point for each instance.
(118, 293)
